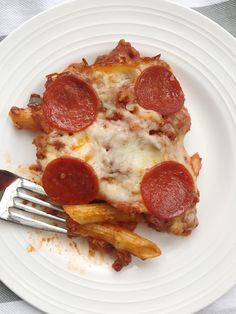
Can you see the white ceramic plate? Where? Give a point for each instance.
(193, 271)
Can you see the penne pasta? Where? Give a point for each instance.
(96, 213)
(22, 118)
(121, 238)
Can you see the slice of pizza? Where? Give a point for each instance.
(114, 131)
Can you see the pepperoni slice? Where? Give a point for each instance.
(168, 190)
(70, 104)
(70, 181)
(157, 89)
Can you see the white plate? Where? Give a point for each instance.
(193, 271)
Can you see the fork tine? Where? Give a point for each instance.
(30, 222)
(37, 201)
(9, 202)
(30, 186)
(32, 210)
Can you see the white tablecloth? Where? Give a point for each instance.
(15, 12)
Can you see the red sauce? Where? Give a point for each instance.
(6, 178)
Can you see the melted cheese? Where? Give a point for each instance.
(119, 151)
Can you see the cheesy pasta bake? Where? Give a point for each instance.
(110, 150)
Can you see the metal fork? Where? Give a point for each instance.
(17, 193)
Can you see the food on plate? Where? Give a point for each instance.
(70, 180)
(110, 150)
(120, 238)
(103, 212)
